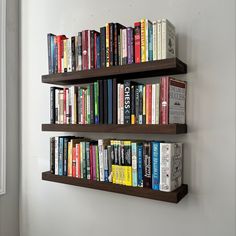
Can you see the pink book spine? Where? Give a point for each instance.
(164, 100)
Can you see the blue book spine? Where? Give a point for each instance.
(150, 41)
(156, 165)
(106, 172)
(98, 50)
(65, 156)
(60, 157)
(52, 54)
(109, 94)
(140, 165)
(134, 165)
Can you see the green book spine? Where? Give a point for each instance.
(96, 92)
(88, 104)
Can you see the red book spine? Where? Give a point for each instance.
(164, 97)
(137, 42)
(148, 104)
(91, 161)
(74, 162)
(85, 49)
(83, 107)
(60, 52)
(78, 175)
(64, 106)
(94, 163)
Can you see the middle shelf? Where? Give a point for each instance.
(116, 128)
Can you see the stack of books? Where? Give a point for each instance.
(150, 164)
(110, 102)
(114, 45)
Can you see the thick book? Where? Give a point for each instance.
(143, 41)
(168, 39)
(172, 101)
(171, 166)
(155, 147)
(65, 156)
(52, 105)
(52, 155)
(147, 165)
(109, 101)
(59, 40)
(137, 42)
(50, 41)
(133, 114)
(103, 46)
(101, 147)
(117, 28)
(130, 46)
(127, 102)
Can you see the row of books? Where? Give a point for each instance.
(150, 164)
(114, 45)
(110, 102)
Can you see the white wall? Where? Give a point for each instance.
(207, 44)
(9, 203)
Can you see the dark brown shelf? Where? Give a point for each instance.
(102, 128)
(171, 66)
(173, 197)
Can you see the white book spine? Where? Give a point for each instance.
(118, 103)
(101, 159)
(61, 107)
(69, 56)
(146, 38)
(153, 104)
(89, 49)
(57, 106)
(159, 47)
(157, 101)
(163, 37)
(56, 155)
(68, 105)
(154, 26)
(122, 104)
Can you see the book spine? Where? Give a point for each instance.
(157, 102)
(61, 107)
(85, 49)
(56, 155)
(130, 45)
(140, 109)
(148, 104)
(103, 46)
(120, 47)
(136, 104)
(146, 38)
(73, 60)
(77, 148)
(155, 165)
(92, 104)
(153, 104)
(163, 39)
(65, 54)
(137, 42)
(52, 41)
(144, 104)
(164, 96)
(134, 165)
(91, 160)
(147, 166)
(84, 157)
(79, 51)
(89, 49)
(50, 70)
(69, 56)
(159, 40)
(101, 102)
(98, 51)
(69, 161)
(52, 155)
(109, 160)
(68, 105)
(107, 45)
(122, 104)
(154, 29)
(116, 35)
(111, 44)
(150, 41)
(59, 54)
(132, 104)
(114, 101)
(55, 55)
(88, 104)
(105, 100)
(92, 55)
(76, 54)
(81, 161)
(143, 40)
(140, 164)
(65, 156)
(52, 105)
(110, 101)
(127, 102)
(87, 150)
(118, 104)
(124, 47)
(128, 163)
(97, 163)
(101, 159)
(73, 161)
(96, 104)
(106, 172)
(94, 163)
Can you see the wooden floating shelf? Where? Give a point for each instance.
(170, 66)
(173, 197)
(103, 128)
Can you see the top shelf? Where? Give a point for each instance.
(170, 66)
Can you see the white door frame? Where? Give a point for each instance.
(2, 97)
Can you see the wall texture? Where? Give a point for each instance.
(9, 203)
(206, 42)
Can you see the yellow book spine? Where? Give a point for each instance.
(129, 175)
(107, 45)
(69, 159)
(113, 169)
(143, 40)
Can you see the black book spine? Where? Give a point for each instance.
(65, 156)
(52, 105)
(132, 104)
(103, 46)
(50, 70)
(92, 59)
(136, 104)
(105, 100)
(52, 155)
(127, 103)
(92, 119)
(116, 59)
(140, 104)
(101, 102)
(111, 43)
(114, 101)
(73, 61)
(147, 165)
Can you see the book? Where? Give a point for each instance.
(109, 101)
(80, 51)
(60, 155)
(134, 164)
(111, 44)
(56, 156)
(103, 46)
(140, 164)
(154, 30)
(107, 44)
(52, 106)
(150, 40)
(85, 59)
(170, 166)
(147, 165)
(52, 155)
(143, 41)
(124, 47)
(159, 40)
(127, 163)
(73, 55)
(168, 39)
(92, 117)
(96, 102)
(117, 39)
(101, 146)
(137, 42)
(114, 101)
(130, 46)
(101, 102)
(105, 102)
(127, 102)
(155, 147)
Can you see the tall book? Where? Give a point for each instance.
(79, 66)
(117, 28)
(101, 102)
(134, 165)
(124, 47)
(56, 156)
(137, 42)
(140, 164)
(85, 58)
(114, 101)
(109, 101)
(147, 165)
(154, 29)
(171, 165)
(127, 102)
(105, 102)
(103, 46)
(107, 44)
(130, 46)
(159, 40)
(168, 39)
(50, 41)
(155, 150)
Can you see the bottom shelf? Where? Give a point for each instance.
(173, 197)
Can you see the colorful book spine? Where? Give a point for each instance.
(85, 50)
(134, 165)
(94, 176)
(80, 51)
(148, 104)
(107, 45)
(98, 51)
(130, 46)
(96, 104)
(124, 47)
(101, 159)
(60, 156)
(127, 102)
(87, 154)
(150, 40)
(137, 42)
(140, 105)
(164, 103)
(147, 165)
(74, 162)
(133, 119)
(56, 155)
(65, 156)
(155, 165)
(69, 162)
(143, 41)
(111, 44)
(78, 167)
(140, 164)
(106, 171)
(103, 46)
(121, 104)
